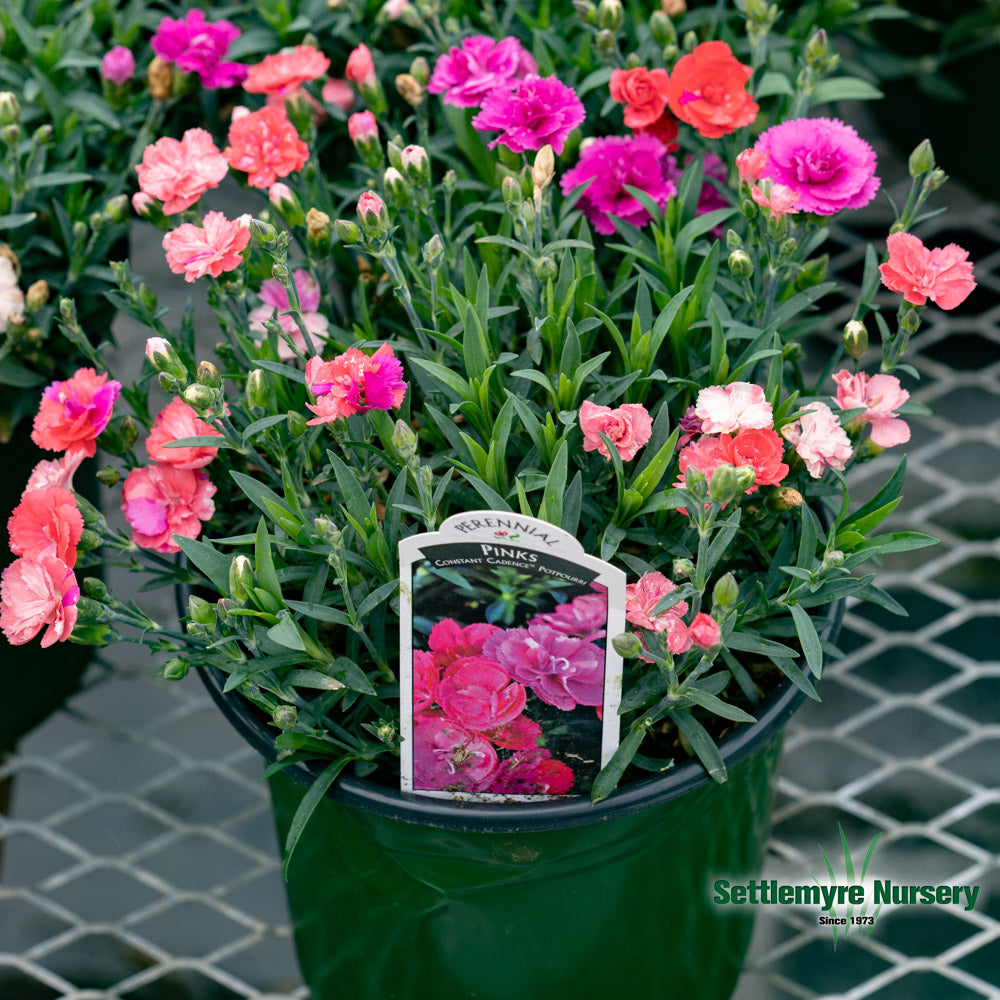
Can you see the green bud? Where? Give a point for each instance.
(195, 628)
(89, 540)
(740, 264)
(263, 233)
(788, 247)
(449, 182)
(910, 321)
(694, 480)
(200, 398)
(258, 391)
(11, 134)
(610, 15)
(240, 578)
(683, 568)
(690, 41)
(725, 591)
(108, 475)
(513, 196)
(855, 339)
(404, 440)
(175, 669)
(922, 159)
(167, 382)
(396, 187)
(116, 208)
(833, 559)
(91, 515)
(586, 10)
(632, 61)
(10, 109)
(545, 269)
(329, 532)
(95, 587)
(420, 70)
(626, 645)
(723, 485)
(670, 53)
(347, 231)
(385, 731)
(733, 241)
(432, 252)
(604, 41)
(425, 477)
(817, 48)
(43, 135)
(285, 717)
(297, 423)
(662, 28)
(935, 179)
(91, 612)
(223, 606)
(208, 374)
(745, 477)
(200, 610)
(160, 353)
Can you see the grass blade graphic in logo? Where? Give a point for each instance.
(864, 922)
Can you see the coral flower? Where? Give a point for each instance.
(447, 757)
(478, 694)
(74, 412)
(339, 93)
(361, 127)
(705, 631)
(706, 454)
(46, 522)
(642, 597)
(274, 299)
(762, 450)
(943, 275)
(175, 421)
(532, 772)
(266, 145)
(521, 734)
(776, 198)
(823, 160)
(819, 440)
(540, 111)
(55, 472)
(198, 46)
(466, 74)
(750, 165)
(179, 173)
(37, 594)
(880, 396)
(723, 409)
(643, 92)
(360, 67)
(160, 501)
(354, 383)
(610, 164)
(707, 90)
(628, 428)
(195, 251)
(284, 72)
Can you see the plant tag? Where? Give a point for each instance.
(509, 685)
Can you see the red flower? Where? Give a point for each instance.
(707, 90)
(644, 94)
(761, 449)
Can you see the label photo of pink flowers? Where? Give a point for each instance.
(508, 674)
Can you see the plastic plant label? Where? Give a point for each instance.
(509, 685)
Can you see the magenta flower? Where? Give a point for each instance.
(823, 160)
(532, 772)
(881, 396)
(639, 161)
(478, 694)
(562, 670)
(74, 412)
(425, 680)
(585, 616)
(274, 298)
(354, 383)
(118, 65)
(541, 111)
(448, 758)
(449, 641)
(198, 46)
(466, 74)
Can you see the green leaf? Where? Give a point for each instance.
(811, 647)
(209, 560)
(843, 88)
(57, 178)
(286, 633)
(13, 373)
(269, 502)
(551, 506)
(351, 675)
(445, 377)
(313, 679)
(266, 575)
(320, 612)
(199, 440)
(307, 806)
(701, 743)
(285, 370)
(716, 706)
(772, 83)
(605, 782)
(17, 219)
(376, 597)
(647, 480)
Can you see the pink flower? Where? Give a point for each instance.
(55, 472)
(197, 46)
(425, 680)
(562, 670)
(540, 111)
(266, 145)
(179, 173)
(371, 209)
(74, 412)
(466, 74)
(195, 251)
(274, 298)
(449, 641)
(827, 164)
(642, 597)
(478, 694)
(447, 757)
(750, 165)
(584, 616)
(610, 164)
(943, 275)
(284, 72)
(338, 93)
(705, 631)
(762, 450)
(532, 772)
(360, 67)
(706, 454)
(118, 65)
(777, 199)
(819, 440)
(46, 522)
(37, 594)
(144, 205)
(678, 636)
(628, 428)
(354, 383)
(880, 396)
(361, 127)
(159, 501)
(736, 406)
(175, 421)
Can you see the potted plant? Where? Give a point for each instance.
(579, 295)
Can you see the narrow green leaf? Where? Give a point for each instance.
(716, 706)
(811, 647)
(701, 743)
(308, 805)
(209, 560)
(376, 597)
(610, 775)
(266, 575)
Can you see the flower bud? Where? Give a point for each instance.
(37, 294)
(725, 591)
(396, 187)
(404, 440)
(347, 231)
(449, 182)
(318, 231)
(339, 93)
(10, 134)
(673, 8)
(626, 645)
(240, 578)
(817, 48)
(109, 476)
(95, 587)
(90, 612)
(118, 65)
(200, 398)
(604, 41)
(740, 264)
(200, 610)
(286, 203)
(585, 10)
(695, 482)
(128, 430)
(935, 179)
(745, 477)
(10, 109)
(385, 731)
(544, 168)
(329, 533)
(373, 216)
(922, 159)
(833, 559)
(147, 207)
(788, 246)
(175, 669)
(545, 268)
(855, 339)
(416, 166)
(285, 717)
(723, 485)
(910, 321)
(89, 540)
(690, 41)
(662, 28)
(42, 135)
(161, 355)
(786, 498)
(410, 89)
(704, 631)
(433, 251)
(263, 233)
(513, 196)
(297, 424)
(420, 70)
(610, 15)
(223, 606)
(160, 77)
(682, 569)
(258, 391)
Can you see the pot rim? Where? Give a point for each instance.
(500, 817)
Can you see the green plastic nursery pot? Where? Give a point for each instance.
(398, 897)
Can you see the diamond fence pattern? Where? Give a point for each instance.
(139, 862)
